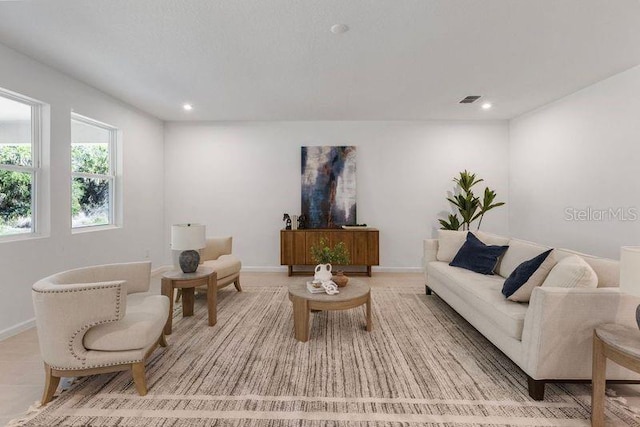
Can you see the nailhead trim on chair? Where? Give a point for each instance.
(62, 291)
(82, 358)
(98, 366)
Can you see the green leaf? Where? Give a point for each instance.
(453, 223)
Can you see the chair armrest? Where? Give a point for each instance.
(216, 247)
(65, 312)
(558, 328)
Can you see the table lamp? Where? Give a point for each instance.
(630, 273)
(188, 238)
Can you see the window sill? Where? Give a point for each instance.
(94, 228)
(22, 237)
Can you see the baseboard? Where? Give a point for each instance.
(397, 269)
(283, 269)
(264, 269)
(16, 329)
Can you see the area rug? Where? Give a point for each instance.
(421, 365)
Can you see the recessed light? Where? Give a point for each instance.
(339, 28)
(486, 106)
(187, 107)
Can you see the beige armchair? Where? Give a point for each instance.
(217, 255)
(97, 319)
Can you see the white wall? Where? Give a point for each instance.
(239, 178)
(23, 262)
(581, 152)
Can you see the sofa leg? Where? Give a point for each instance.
(50, 384)
(137, 371)
(237, 284)
(163, 340)
(536, 388)
(427, 290)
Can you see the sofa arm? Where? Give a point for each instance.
(430, 251)
(65, 312)
(558, 328)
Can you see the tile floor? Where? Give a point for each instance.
(21, 372)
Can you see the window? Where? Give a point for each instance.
(93, 173)
(19, 163)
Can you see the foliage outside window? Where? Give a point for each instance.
(92, 172)
(19, 163)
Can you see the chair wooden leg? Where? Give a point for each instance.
(163, 340)
(50, 384)
(237, 284)
(137, 371)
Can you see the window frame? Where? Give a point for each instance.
(35, 170)
(112, 177)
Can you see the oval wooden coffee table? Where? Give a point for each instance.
(353, 295)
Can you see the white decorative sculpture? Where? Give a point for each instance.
(330, 287)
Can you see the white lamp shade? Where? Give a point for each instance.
(630, 270)
(187, 236)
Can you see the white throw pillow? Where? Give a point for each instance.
(572, 272)
(449, 243)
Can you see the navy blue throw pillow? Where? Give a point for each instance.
(476, 256)
(521, 274)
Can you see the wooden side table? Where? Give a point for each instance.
(187, 282)
(619, 343)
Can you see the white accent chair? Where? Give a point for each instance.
(98, 319)
(217, 255)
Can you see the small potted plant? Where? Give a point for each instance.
(322, 253)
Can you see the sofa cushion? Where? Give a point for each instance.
(482, 292)
(571, 272)
(449, 243)
(522, 273)
(607, 270)
(224, 266)
(476, 256)
(523, 294)
(142, 324)
(519, 251)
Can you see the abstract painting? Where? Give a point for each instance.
(329, 186)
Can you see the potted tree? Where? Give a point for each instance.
(470, 206)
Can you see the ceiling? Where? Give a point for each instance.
(277, 59)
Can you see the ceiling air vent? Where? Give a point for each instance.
(470, 99)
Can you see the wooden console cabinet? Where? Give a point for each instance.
(295, 246)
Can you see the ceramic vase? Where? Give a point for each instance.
(340, 279)
(323, 272)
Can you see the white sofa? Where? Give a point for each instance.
(549, 338)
